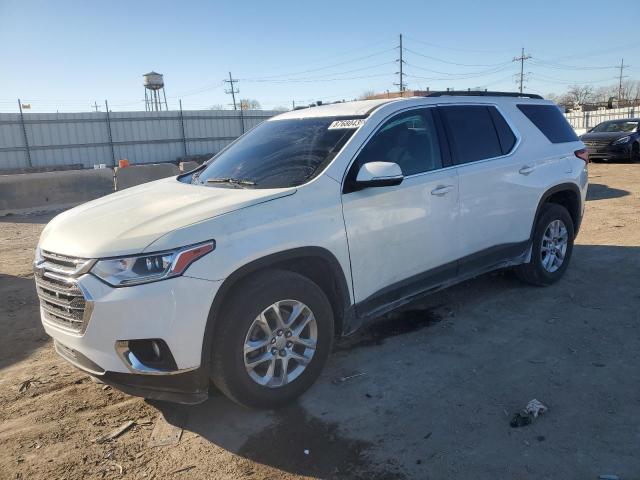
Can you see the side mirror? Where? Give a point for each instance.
(379, 174)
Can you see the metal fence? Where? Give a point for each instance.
(582, 121)
(40, 140)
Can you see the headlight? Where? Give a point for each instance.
(38, 258)
(151, 267)
(622, 140)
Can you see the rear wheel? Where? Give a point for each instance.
(551, 248)
(273, 339)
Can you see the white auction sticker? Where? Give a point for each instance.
(353, 123)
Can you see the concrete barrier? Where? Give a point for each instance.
(29, 192)
(188, 166)
(137, 174)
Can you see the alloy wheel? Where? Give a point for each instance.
(554, 246)
(280, 343)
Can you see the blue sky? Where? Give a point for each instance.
(64, 55)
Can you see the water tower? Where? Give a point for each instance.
(154, 92)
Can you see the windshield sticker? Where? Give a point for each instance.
(354, 123)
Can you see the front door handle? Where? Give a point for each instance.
(526, 170)
(441, 190)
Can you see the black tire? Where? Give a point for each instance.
(246, 302)
(534, 271)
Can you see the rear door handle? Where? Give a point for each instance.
(441, 190)
(526, 170)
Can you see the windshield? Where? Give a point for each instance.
(279, 153)
(623, 126)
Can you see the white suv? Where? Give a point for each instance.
(244, 270)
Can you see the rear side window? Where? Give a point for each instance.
(550, 121)
(472, 133)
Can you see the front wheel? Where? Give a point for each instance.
(551, 248)
(635, 153)
(273, 339)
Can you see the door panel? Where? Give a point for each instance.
(498, 191)
(397, 233)
(497, 203)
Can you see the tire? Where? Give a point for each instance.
(263, 294)
(535, 272)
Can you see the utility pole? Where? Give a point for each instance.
(232, 90)
(401, 84)
(95, 106)
(621, 76)
(522, 59)
(293, 104)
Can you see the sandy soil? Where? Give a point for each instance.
(439, 385)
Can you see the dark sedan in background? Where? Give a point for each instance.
(614, 140)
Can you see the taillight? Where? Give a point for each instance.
(583, 154)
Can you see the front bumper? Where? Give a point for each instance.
(174, 311)
(610, 153)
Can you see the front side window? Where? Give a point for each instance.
(617, 127)
(278, 154)
(409, 139)
(472, 133)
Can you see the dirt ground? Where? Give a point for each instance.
(427, 393)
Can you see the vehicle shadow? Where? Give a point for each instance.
(22, 332)
(599, 191)
(374, 411)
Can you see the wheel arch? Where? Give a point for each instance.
(567, 195)
(316, 263)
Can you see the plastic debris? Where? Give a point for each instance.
(520, 419)
(306, 451)
(535, 408)
(524, 417)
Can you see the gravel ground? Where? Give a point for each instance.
(438, 383)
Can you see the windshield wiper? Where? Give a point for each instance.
(232, 181)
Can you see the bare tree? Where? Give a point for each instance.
(250, 104)
(579, 94)
(216, 106)
(366, 95)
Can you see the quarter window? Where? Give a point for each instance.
(550, 121)
(409, 139)
(472, 133)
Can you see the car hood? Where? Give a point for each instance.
(126, 222)
(611, 136)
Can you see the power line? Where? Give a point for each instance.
(522, 58)
(302, 72)
(456, 63)
(455, 48)
(232, 90)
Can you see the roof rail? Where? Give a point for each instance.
(472, 93)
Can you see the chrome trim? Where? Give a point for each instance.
(58, 286)
(516, 133)
(135, 366)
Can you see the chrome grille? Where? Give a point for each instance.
(596, 143)
(63, 302)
